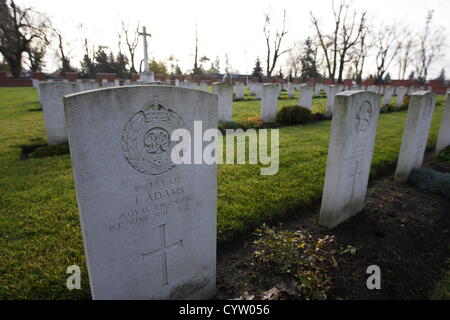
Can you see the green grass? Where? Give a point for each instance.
(39, 227)
(442, 289)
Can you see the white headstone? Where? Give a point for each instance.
(317, 89)
(331, 94)
(269, 101)
(257, 90)
(204, 86)
(291, 90)
(401, 92)
(117, 83)
(305, 96)
(148, 224)
(388, 93)
(415, 134)
(354, 125)
(51, 94)
(225, 93)
(443, 140)
(239, 90)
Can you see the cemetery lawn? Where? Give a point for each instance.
(39, 227)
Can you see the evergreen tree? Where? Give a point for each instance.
(308, 62)
(257, 70)
(387, 78)
(441, 77)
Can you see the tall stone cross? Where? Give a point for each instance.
(162, 251)
(145, 35)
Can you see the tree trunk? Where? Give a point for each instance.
(15, 65)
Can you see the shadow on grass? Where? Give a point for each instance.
(35, 110)
(43, 150)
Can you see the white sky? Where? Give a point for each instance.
(232, 27)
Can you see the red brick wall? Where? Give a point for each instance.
(108, 76)
(71, 76)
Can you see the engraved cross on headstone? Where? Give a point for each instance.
(162, 251)
(355, 175)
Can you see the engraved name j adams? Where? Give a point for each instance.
(149, 225)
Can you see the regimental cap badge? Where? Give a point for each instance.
(146, 142)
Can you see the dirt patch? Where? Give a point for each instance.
(403, 230)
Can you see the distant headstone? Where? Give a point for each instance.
(257, 89)
(291, 90)
(305, 96)
(388, 93)
(415, 134)
(269, 100)
(443, 140)
(239, 90)
(149, 224)
(117, 83)
(204, 86)
(51, 94)
(401, 92)
(225, 93)
(317, 90)
(355, 118)
(331, 94)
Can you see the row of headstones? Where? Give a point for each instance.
(351, 146)
(269, 93)
(149, 225)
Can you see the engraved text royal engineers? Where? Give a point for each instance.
(149, 225)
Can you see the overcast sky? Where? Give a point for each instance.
(232, 27)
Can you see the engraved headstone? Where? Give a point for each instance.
(305, 96)
(148, 224)
(443, 140)
(269, 100)
(225, 93)
(350, 151)
(51, 95)
(415, 134)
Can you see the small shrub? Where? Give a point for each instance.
(294, 115)
(223, 125)
(405, 101)
(321, 117)
(444, 155)
(297, 254)
(431, 180)
(253, 123)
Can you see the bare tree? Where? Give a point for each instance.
(19, 27)
(431, 43)
(273, 43)
(337, 46)
(359, 53)
(387, 48)
(36, 53)
(132, 41)
(62, 52)
(293, 61)
(407, 45)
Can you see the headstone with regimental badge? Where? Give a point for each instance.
(148, 223)
(355, 118)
